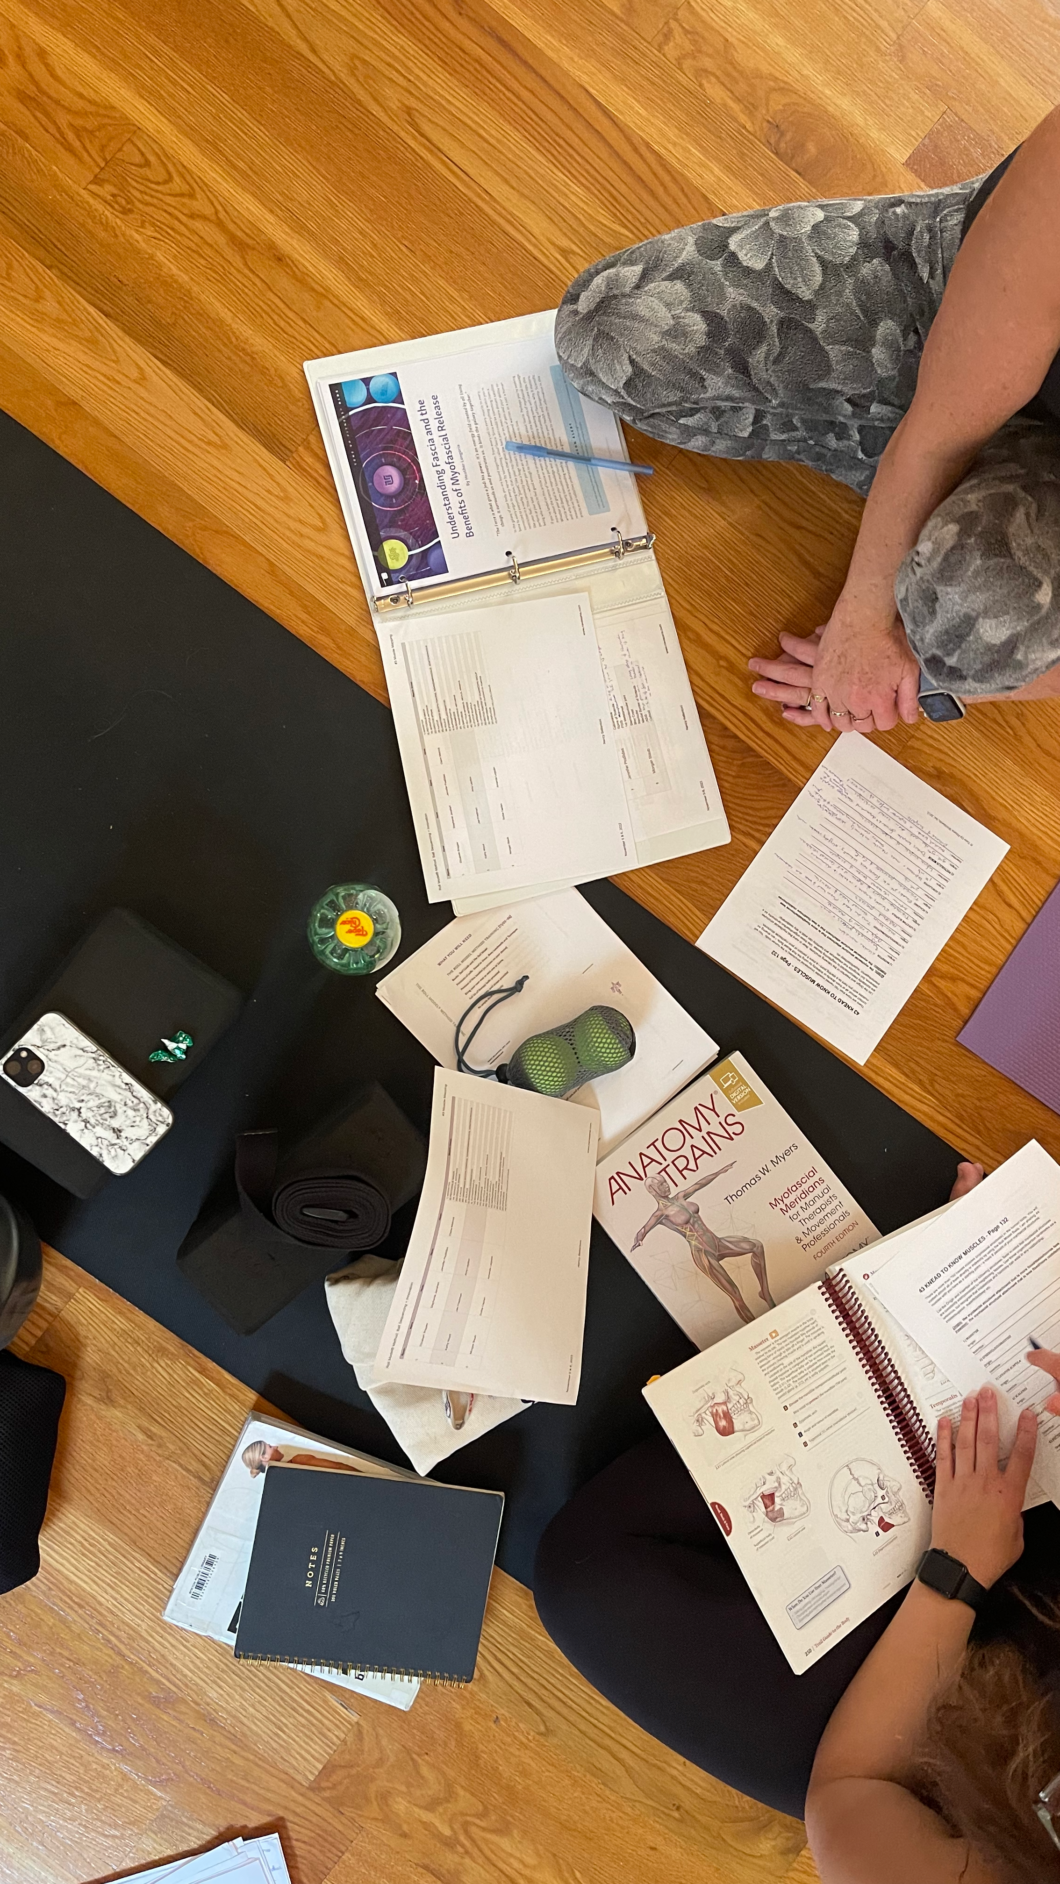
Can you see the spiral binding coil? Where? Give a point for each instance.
(364, 1668)
(889, 1387)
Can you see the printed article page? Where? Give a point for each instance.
(975, 1284)
(430, 489)
(847, 904)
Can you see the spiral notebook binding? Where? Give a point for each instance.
(363, 1668)
(887, 1383)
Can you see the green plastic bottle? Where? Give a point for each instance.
(354, 929)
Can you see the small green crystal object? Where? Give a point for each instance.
(175, 1049)
(354, 929)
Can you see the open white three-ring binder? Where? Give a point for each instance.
(547, 727)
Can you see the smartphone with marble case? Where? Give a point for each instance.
(73, 1082)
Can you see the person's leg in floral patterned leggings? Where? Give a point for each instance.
(796, 333)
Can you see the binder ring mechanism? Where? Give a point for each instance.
(514, 571)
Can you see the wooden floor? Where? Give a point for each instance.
(196, 195)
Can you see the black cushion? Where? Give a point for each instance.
(31, 1400)
(126, 986)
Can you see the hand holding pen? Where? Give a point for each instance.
(1049, 1364)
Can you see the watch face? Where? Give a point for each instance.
(941, 706)
(941, 1572)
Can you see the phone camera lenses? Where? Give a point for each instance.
(23, 1068)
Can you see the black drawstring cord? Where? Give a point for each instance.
(494, 996)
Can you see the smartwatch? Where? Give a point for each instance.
(936, 703)
(948, 1577)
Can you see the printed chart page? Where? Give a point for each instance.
(573, 961)
(674, 802)
(974, 1285)
(847, 904)
(672, 795)
(783, 1434)
(506, 742)
(492, 1291)
(416, 441)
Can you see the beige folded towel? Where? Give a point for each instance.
(359, 1299)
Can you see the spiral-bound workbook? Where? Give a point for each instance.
(531, 657)
(811, 1433)
(385, 1575)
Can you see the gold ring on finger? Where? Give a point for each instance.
(820, 698)
(839, 713)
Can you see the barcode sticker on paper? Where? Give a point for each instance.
(206, 1570)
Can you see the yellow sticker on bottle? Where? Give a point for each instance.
(393, 552)
(354, 928)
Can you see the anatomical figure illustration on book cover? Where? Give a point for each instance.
(725, 1208)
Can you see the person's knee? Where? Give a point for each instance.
(627, 326)
(979, 593)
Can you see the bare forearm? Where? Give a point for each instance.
(864, 1825)
(880, 1718)
(995, 334)
(917, 470)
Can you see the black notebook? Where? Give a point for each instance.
(384, 1576)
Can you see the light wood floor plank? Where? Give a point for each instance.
(77, 126)
(946, 56)
(952, 151)
(829, 129)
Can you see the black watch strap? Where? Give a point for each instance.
(948, 1577)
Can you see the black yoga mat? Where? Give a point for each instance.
(169, 748)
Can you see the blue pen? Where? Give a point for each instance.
(574, 457)
(1036, 1344)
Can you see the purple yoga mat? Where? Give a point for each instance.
(1016, 1027)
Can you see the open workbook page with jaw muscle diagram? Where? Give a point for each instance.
(781, 1427)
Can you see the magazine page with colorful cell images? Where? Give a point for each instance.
(416, 436)
(723, 1206)
(208, 1593)
(819, 1487)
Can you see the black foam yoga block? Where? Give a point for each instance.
(126, 986)
(248, 1269)
(31, 1400)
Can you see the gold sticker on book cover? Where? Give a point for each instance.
(734, 1085)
